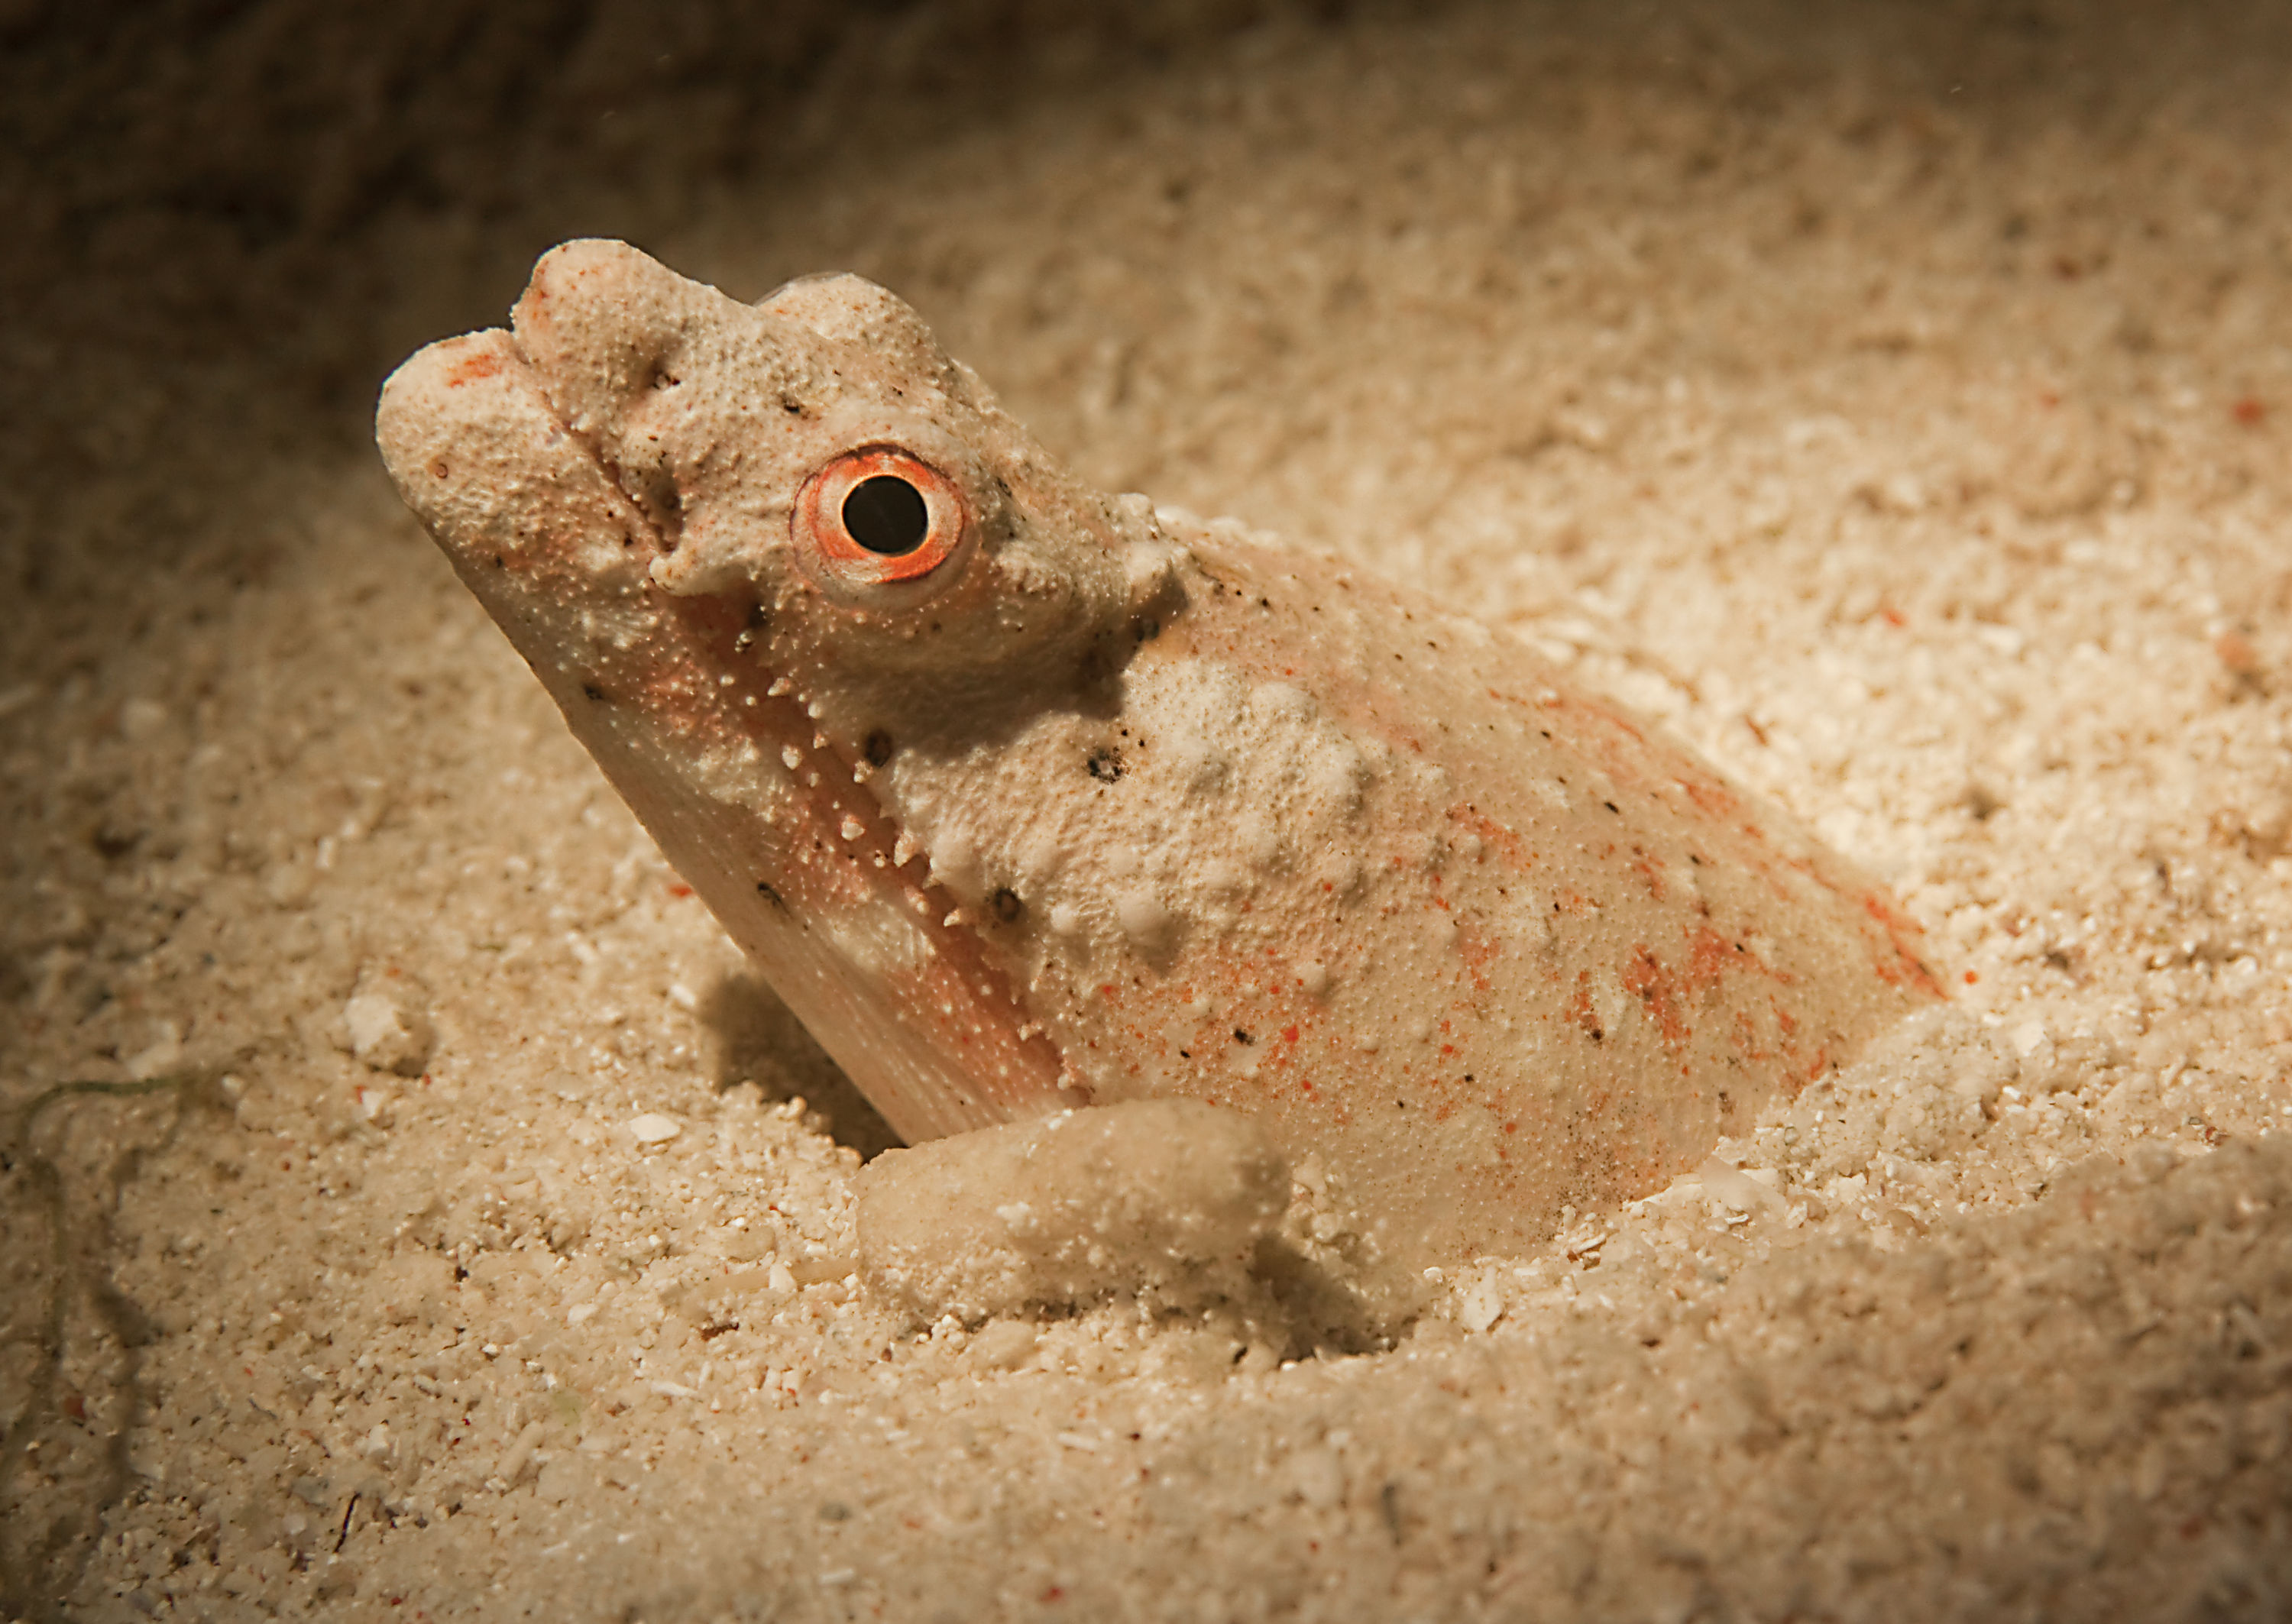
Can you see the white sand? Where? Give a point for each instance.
(1896, 408)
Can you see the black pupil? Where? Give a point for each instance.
(886, 515)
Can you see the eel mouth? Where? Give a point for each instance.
(774, 828)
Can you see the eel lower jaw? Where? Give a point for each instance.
(854, 869)
(722, 760)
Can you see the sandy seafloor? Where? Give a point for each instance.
(1893, 401)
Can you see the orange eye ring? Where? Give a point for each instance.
(878, 517)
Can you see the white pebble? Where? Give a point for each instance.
(1004, 1344)
(1480, 1305)
(654, 1128)
(142, 720)
(387, 1034)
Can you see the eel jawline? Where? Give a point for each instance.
(689, 731)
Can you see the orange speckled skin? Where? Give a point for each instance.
(1113, 804)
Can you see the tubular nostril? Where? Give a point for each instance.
(605, 323)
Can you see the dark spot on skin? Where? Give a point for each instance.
(1006, 905)
(1105, 766)
(1239, 1036)
(1185, 1055)
(1613, 808)
(791, 406)
(591, 692)
(877, 747)
(764, 890)
(499, 563)
(1096, 664)
(1265, 603)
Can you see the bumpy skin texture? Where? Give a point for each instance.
(1080, 803)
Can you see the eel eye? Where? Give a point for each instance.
(877, 519)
